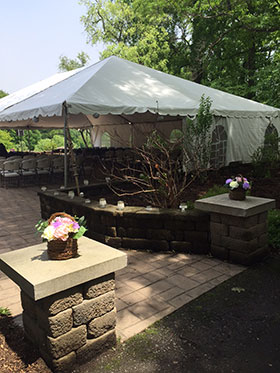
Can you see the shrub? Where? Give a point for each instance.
(197, 138)
(214, 191)
(266, 158)
(274, 228)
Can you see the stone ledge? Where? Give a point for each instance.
(223, 205)
(40, 277)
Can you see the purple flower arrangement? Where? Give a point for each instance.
(238, 182)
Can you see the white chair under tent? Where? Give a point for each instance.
(10, 173)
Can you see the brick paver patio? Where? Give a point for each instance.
(152, 285)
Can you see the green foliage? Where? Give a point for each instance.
(176, 135)
(274, 228)
(26, 142)
(3, 94)
(214, 191)
(5, 311)
(67, 64)
(49, 144)
(105, 140)
(42, 140)
(6, 139)
(82, 223)
(266, 157)
(41, 225)
(197, 139)
(229, 45)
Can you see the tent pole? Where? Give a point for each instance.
(65, 144)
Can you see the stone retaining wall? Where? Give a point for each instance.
(72, 326)
(239, 239)
(136, 228)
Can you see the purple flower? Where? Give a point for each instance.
(56, 224)
(246, 185)
(228, 181)
(76, 226)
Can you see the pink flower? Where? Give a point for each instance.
(61, 232)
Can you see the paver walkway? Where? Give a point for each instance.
(152, 285)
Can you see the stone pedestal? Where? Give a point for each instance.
(238, 229)
(68, 306)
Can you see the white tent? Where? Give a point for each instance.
(128, 101)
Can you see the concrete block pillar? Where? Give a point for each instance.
(68, 306)
(238, 229)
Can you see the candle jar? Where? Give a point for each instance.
(85, 182)
(87, 200)
(183, 206)
(120, 205)
(82, 194)
(71, 194)
(43, 189)
(102, 202)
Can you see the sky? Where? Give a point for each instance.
(34, 34)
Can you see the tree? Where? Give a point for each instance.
(226, 44)
(6, 139)
(25, 140)
(197, 138)
(67, 64)
(47, 144)
(159, 178)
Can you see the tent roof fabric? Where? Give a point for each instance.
(116, 86)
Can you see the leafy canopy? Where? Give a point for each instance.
(231, 45)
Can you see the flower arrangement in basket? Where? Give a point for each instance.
(238, 187)
(62, 232)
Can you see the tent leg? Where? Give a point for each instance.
(65, 146)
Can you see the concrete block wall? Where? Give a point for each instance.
(136, 228)
(74, 325)
(238, 239)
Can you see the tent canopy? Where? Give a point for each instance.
(128, 101)
(119, 87)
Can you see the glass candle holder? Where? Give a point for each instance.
(43, 188)
(183, 206)
(87, 200)
(149, 208)
(62, 187)
(120, 205)
(71, 194)
(86, 182)
(82, 194)
(56, 193)
(102, 202)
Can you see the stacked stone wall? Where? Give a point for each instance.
(238, 239)
(74, 325)
(136, 228)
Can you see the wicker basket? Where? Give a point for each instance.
(61, 250)
(238, 194)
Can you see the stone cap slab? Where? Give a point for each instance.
(223, 205)
(40, 277)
